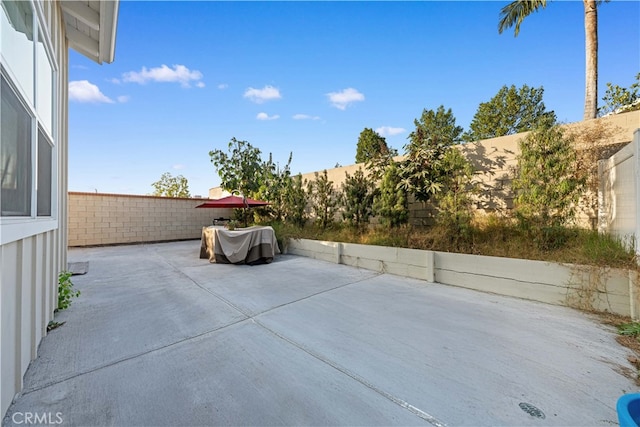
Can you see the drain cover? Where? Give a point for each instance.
(531, 410)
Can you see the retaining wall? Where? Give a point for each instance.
(583, 287)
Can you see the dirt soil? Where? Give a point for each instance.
(631, 342)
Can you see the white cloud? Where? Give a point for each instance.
(259, 96)
(178, 166)
(123, 98)
(223, 86)
(305, 117)
(163, 74)
(342, 99)
(389, 131)
(86, 92)
(265, 116)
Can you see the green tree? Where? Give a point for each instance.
(514, 13)
(240, 169)
(171, 186)
(295, 201)
(324, 199)
(510, 111)
(422, 171)
(378, 164)
(274, 181)
(390, 203)
(370, 145)
(358, 193)
(620, 100)
(547, 184)
(454, 202)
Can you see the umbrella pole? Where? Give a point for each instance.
(244, 210)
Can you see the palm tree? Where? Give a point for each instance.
(515, 12)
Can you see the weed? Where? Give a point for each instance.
(490, 235)
(66, 291)
(631, 329)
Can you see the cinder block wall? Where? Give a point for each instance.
(494, 161)
(106, 219)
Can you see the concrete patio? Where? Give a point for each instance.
(161, 337)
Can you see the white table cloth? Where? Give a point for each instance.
(251, 245)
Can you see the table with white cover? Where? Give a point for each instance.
(251, 245)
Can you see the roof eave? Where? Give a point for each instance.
(100, 49)
(108, 28)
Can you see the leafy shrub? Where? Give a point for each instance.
(66, 291)
(359, 191)
(324, 199)
(390, 202)
(547, 184)
(454, 202)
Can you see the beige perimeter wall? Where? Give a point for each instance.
(494, 161)
(106, 219)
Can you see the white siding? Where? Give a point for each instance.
(29, 266)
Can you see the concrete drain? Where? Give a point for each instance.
(531, 410)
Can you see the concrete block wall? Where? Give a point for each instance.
(106, 219)
(583, 287)
(494, 161)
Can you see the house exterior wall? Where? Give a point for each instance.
(106, 219)
(33, 250)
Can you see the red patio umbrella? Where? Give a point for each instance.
(232, 202)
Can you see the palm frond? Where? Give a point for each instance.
(515, 12)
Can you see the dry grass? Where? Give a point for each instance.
(492, 237)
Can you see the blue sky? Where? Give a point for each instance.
(308, 77)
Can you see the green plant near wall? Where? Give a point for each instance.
(631, 329)
(66, 291)
(547, 184)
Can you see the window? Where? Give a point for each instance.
(44, 86)
(44, 175)
(15, 155)
(28, 121)
(16, 21)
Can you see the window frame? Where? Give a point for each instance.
(14, 228)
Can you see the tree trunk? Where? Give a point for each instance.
(591, 66)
